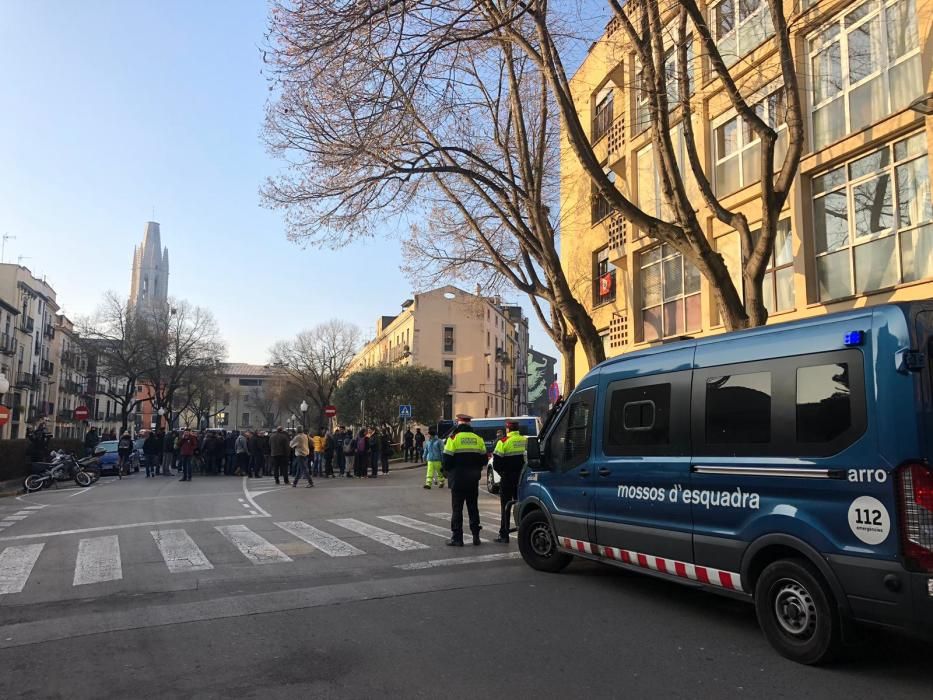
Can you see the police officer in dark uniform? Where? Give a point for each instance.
(508, 459)
(463, 463)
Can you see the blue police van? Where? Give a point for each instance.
(786, 465)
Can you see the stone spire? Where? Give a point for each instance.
(150, 268)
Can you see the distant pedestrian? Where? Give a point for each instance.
(329, 445)
(278, 447)
(299, 444)
(386, 452)
(433, 454)
(266, 453)
(124, 448)
(242, 455)
(90, 441)
(408, 442)
(256, 459)
(160, 441)
(375, 452)
(168, 453)
(187, 447)
(318, 441)
(360, 455)
(419, 444)
(151, 453)
(229, 453)
(340, 450)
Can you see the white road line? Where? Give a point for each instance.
(389, 539)
(255, 548)
(15, 566)
(23, 512)
(84, 490)
(429, 528)
(98, 560)
(434, 563)
(180, 552)
(249, 498)
(242, 500)
(104, 528)
(14, 518)
(253, 512)
(319, 539)
(442, 516)
(482, 515)
(34, 507)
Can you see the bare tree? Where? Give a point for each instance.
(116, 338)
(388, 107)
(382, 117)
(183, 345)
(316, 360)
(200, 397)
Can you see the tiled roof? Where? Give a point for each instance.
(243, 369)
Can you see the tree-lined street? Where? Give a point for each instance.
(347, 590)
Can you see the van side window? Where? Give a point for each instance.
(738, 409)
(824, 403)
(639, 416)
(569, 443)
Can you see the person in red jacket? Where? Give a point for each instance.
(189, 443)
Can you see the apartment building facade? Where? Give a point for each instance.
(71, 384)
(28, 353)
(857, 228)
(479, 343)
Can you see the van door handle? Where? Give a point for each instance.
(604, 471)
(584, 473)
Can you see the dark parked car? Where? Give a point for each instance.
(110, 458)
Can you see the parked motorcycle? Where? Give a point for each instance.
(62, 467)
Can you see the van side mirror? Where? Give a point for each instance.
(533, 451)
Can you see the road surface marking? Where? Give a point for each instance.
(255, 548)
(180, 552)
(253, 512)
(390, 539)
(23, 512)
(14, 518)
(98, 560)
(482, 514)
(15, 566)
(105, 528)
(34, 507)
(83, 490)
(429, 528)
(249, 497)
(246, 505)
(242, 500)
(319, 539)
(442, 516)
(434, 563)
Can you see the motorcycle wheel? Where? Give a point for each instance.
(34, 482)
(83, 479)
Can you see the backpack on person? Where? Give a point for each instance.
(361, 445)
(348, 446)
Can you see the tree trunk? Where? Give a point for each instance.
(568, 354)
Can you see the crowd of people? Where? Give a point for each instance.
(286, 455)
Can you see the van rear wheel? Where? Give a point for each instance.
(538, 544)
(797, 613)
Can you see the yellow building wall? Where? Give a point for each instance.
(611, 63)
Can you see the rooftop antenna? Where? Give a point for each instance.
(6, 237)
(20, 258)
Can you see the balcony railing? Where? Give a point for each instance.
(65, 414)
(49, 331)
(8, 344)
(27, 380)
(47, 368)
(28, 324)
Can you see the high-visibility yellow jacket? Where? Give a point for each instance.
(508, 457)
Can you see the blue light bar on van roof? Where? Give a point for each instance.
(853, 338)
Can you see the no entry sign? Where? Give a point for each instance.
(4, 415)
(81, 413)
(330, 411)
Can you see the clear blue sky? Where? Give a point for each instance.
(111, 109)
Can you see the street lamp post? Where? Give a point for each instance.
(161, 415)
(304, 414)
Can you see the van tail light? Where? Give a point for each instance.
(916, 493)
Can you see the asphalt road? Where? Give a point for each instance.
(225, 587)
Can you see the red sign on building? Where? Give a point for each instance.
(81, 413)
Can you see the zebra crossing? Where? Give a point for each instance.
(99, 560)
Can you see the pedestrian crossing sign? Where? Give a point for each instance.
(404, 411)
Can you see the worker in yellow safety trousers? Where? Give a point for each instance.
(433, 454)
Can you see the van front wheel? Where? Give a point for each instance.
(538, 544)
(796, 612)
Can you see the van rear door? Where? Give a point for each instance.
(921, 337)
